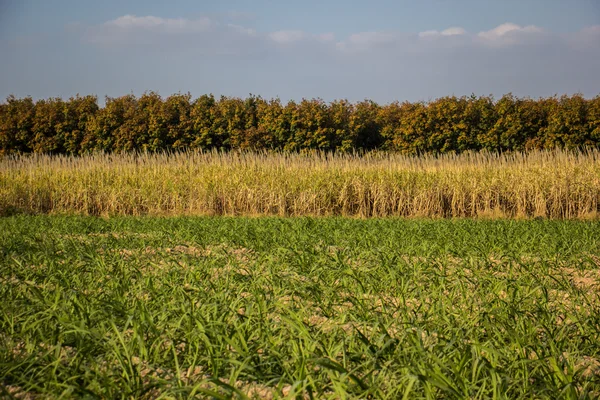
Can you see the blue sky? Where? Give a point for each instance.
(382, 50)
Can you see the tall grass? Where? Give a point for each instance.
(555, 184)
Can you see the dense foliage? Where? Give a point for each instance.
(150, 123)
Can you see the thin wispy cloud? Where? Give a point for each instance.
(454, 31)
(509, 33)
(128, 29)
(231, 55)
(166, 25)
(505, 58)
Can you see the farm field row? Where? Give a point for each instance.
(141, 307)
(558, 185)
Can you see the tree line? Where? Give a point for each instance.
(179, 122)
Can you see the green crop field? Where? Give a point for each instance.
(203, 307)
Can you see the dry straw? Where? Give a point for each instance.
(554, 184)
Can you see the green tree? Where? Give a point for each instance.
(202, 116)
(567, 123)
(48, 121)
(78, 113)
(107, 131)
(16, 125)
(364, 126)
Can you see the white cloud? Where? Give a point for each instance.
(170, 33)
(508, 32)
(290, 37)
(371, 38)
(429, 33)
(326, 37)
(218, 55)
(128, 21)
(587, 39)
(208, 36)
(286, 36)
(166, 24)
(594, 30)
(366, 41)
(130, 29)
(242, 30)
(453, 31)
(504, 34)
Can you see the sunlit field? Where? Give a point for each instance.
(557, 184)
